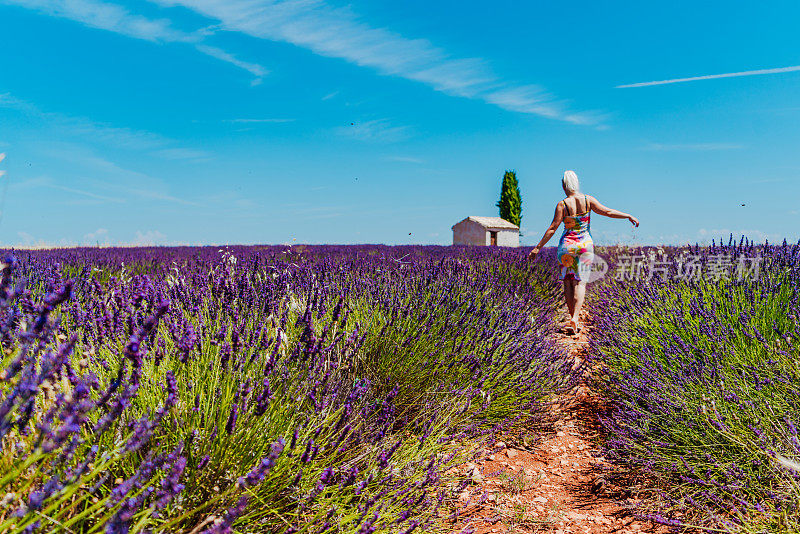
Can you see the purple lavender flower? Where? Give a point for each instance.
(230, 425)
(258, 473)
(225, 526)
(170, 485)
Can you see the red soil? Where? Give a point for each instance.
(556, 483)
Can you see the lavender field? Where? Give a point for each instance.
(261, 389)
(704, 379)
(333, 389)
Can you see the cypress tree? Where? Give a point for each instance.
(510, 202)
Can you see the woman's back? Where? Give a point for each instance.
(576, 204)
(576, 215)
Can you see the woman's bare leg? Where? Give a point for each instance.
(569, 294)
(580, 292)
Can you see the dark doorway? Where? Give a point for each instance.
(493, 238)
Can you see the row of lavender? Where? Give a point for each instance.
(270, 389)
(705, 380)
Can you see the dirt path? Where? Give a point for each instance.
(552, 481)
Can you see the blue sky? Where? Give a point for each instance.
(318, 121)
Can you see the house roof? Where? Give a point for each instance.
(492, 222)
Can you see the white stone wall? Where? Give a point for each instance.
(470, 233)
(507, 238)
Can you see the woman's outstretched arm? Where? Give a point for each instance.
(609, 212)
(558, 216)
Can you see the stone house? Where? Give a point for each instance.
(486, 231)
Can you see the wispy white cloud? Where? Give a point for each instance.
(115, 18)
(759, 72)
(404, 159)
(330, 95)
(148, 238)
(165, 197)
(109, 181)
(378, 130)
(27, 240)
(104, 191)
(183, 154)
(527, 99)
(534, 100)
(775, 180)
(338, 32)
(7, 100)
(695, 147)
(47, 182)
(255, 69)
(246, 121)
(88, 194)
(86, 129)
(238, 204)
(121, 137)
(98, 236)
(326, 30)
(107, 16)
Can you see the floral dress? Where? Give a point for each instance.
(575, 248)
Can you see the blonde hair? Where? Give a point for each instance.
(570, 182)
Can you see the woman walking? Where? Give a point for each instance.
(575, 251)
